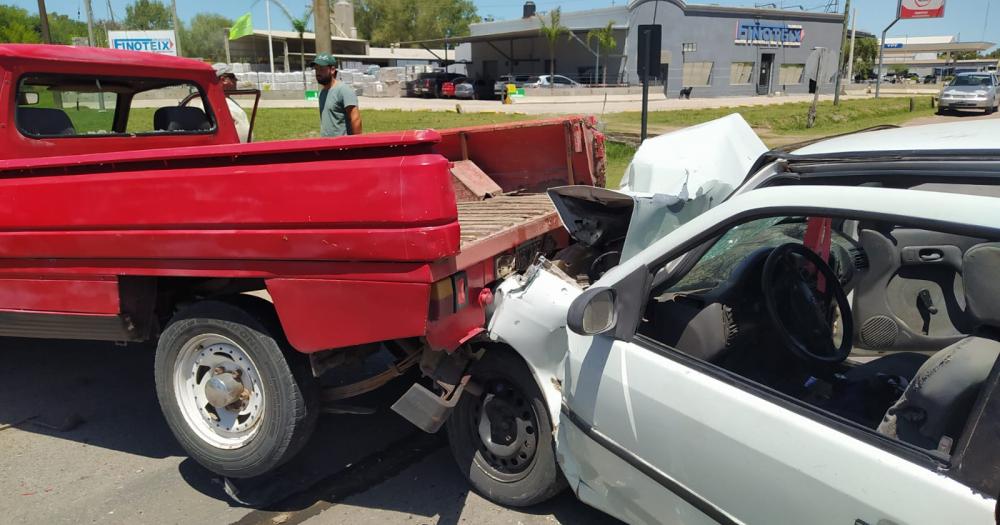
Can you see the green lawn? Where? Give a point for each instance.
(786, 119)
(277, 124)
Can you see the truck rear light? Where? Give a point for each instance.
(449, 295)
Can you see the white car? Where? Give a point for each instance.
(557, 81)
(817, 343)
(971, 91)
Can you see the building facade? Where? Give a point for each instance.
(713, 50)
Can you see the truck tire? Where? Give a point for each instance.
(502, 439)
(236, 397)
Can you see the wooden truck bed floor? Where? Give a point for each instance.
(500, 217)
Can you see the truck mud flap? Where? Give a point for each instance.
(427, 410)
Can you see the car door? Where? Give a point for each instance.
(651, 435)
(909, 298)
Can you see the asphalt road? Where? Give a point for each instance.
(82, 441)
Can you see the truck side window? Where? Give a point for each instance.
(86, 106)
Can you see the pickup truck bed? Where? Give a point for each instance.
(481, 221)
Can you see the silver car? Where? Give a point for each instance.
(971, 91)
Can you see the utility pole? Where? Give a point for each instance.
(43, 17)
(321, 16)
(840, 56)
(881, 55)
(177, 26)
(850, 59)
(90, 23)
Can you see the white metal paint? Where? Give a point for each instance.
(685, 162)
(530, 316)
(757, 461)
(970, 135)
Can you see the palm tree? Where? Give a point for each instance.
(552, 30)
(300, 25)
(605, 43)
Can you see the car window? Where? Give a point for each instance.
(532, 80)
(971, 80)
(91, 106)
(563, 80)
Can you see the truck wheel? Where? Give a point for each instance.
(237, 399)
(502, 439)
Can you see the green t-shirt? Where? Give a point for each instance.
(333, 104)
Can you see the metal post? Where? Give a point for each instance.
(177, 26)
(43, 17)
(811, 117)
(850, 60)
(225, 40)
(597, 64)
(645, 92)
(270, 46)
(881, 57)
(840, 57)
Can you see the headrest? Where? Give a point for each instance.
(981, 277)
(180, 118)
(44, 121)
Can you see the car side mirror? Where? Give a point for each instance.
(27, 98)
(593, 312)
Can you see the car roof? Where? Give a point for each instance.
(949, 136)
(96, 55)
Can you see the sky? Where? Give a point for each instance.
(971, 20)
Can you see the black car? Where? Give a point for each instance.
(429, 84)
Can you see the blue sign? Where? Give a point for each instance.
(892, 46)
(775, 34)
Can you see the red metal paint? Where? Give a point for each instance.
(348, 233)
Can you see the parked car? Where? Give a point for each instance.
(930, 79)
(501, 85)
(971, 91)
(430, 84)
(706, 334)
(558, 81)
(467, 89)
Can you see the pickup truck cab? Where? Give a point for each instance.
(132, 214)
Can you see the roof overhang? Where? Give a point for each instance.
(939, 48)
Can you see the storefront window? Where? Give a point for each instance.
(740, 72)
(791, 74)
(697, 73)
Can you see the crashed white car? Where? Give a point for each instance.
(741, 336)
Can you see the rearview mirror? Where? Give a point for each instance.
(593, 312)
(27, 98)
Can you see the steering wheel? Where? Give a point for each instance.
(804, 317)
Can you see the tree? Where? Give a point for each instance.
(387, 21)
(960, 55)
(206, 36)
(994, 54)
(62, 29)
(17, 27)
(865, 55)
(148, 14)
(605, 44)
(552, 30)
(300, 25)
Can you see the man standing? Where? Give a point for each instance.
(338, 104)
(228, 80)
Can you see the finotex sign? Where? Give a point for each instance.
(909, 9)
(161, 42)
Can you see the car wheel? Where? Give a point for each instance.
(235, 396)
(502, 438)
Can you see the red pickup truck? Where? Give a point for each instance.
(131, 212)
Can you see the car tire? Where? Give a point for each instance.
(526, 473)
(276, 412)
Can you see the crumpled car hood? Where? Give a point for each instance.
(672, 178)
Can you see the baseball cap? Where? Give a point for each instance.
(223, 70)
(324, 59)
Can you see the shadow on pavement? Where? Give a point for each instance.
(89, 392)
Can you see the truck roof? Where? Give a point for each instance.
(96, 55)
